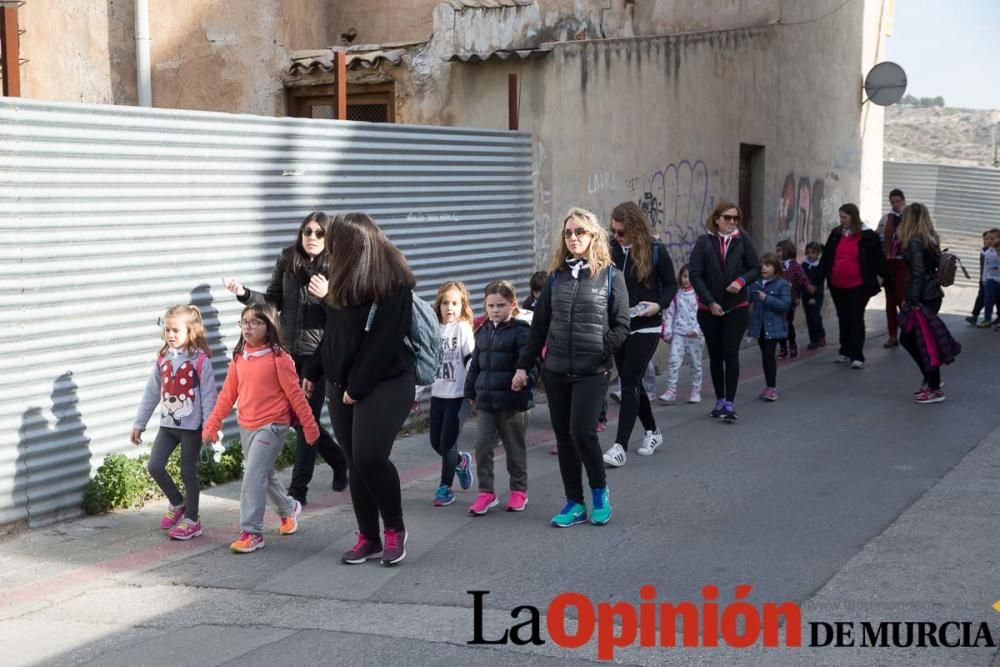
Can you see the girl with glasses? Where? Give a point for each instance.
(723, 262)
(299, 265)
(262, 377)
(582, 318)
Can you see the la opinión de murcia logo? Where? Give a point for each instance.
(737, 624)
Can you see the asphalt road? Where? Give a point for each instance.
(844, 497)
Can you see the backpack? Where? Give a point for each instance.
(948, 264)
(423, 340)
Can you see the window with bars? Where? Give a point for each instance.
(372, 103)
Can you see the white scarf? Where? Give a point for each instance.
(576, 265)
(255, 353)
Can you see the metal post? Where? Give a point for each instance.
(142, 66)
(340, 97)
(11, 52)
(512, 102)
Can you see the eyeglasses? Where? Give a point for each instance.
(576, 231)
(730, 218)
(250, 324)
(620, 233)
(318, 233)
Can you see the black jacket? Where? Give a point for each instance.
(815, 276)
(922, 267)
(710, 278)
(355, 360)
(494, 362)
(301, 314)
(661, 288)
(573, 318)
(873, 263)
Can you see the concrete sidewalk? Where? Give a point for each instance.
(111, 590)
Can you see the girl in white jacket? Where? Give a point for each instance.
(682, 333)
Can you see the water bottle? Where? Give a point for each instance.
(637, 310)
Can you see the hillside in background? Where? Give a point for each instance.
(940, 135)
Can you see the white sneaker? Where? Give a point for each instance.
(669, 396)
(840, 358)
(857, 365)
(615, 456)
(695, 396)
(616, 396)
(650, 441)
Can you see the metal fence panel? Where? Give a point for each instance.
(962, 202)
(110, 214)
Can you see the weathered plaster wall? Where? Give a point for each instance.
(660, 120)
(80, 51)
(380, 21)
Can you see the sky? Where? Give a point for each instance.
(949, 48)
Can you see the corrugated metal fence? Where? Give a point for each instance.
(110, 214)
(963, 202)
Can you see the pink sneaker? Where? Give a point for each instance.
(185, 530)
(601, 427)
(554, 450)
(769, 394)
(517, 502)
(484, 503)
(170, 519)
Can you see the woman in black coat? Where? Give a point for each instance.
(723, 262)
(302, 319)
(852, 263)
(652, 284)
(921, 249)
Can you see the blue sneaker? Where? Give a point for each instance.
(719, 409)
(729, 413)
(443, 497)
(601, 513)
(572, 514)
(464, 470)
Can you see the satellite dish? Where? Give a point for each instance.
(885, 84)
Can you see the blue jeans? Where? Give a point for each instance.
(991, 294)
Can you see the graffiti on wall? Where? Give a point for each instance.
(803, 206)
(677, 200)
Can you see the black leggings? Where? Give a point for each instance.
(305, 455)
(932, 376)
(723, 336)
(632, 358)
(574, 406)
(445, 425)
(164, 445)
(367, 431)
(767, 350)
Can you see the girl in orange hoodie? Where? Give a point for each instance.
(262, 376)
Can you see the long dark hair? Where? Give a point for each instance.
(364, 264)
(301, 260)
(269, 316)
(638, 229)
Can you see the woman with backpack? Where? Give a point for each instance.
(922, 333)
(302, 320)
(649, 277)
(582, 318)
(370, 371)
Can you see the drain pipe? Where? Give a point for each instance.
(142, 68)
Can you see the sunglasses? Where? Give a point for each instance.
(576, 231)
(730, 218)
(318, 233)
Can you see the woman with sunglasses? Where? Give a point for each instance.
(582, 318)
(302, 320)
(723, 262)
(649, 276)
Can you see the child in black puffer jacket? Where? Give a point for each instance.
(501, 410)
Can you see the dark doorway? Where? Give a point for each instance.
(752, 186)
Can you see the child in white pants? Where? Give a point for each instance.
(682, 333)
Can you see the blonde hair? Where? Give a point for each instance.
(639, 231)
(598, 253)
(197, 339)
(459, 287)
(916, 223)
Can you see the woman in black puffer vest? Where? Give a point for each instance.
(302, 322)
(582, 316)
(723, 263)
